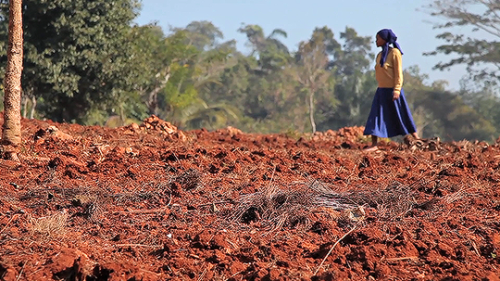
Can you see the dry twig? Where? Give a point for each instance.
(11, 219)
(21, 272)
(148, 211)
(331, 249)
(138, 245)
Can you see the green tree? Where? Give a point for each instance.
(484, 98)
(355, 81)
(203, 35)
(271, 52)
(75, 62)
(310, 71)
(441, 113)
(266, 93)
(427, 122)
(179, 71)
(214, 56)
(480, 56)
(457, 120)
(163, 64)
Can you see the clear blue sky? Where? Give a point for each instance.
(299, 18)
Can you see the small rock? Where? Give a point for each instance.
(56, 133)
(233, 131)
(134, 127)
(118, 150)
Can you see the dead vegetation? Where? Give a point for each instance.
(275, 207)
(188, 180)
(391, 202)
(48, 227)
(294, 205)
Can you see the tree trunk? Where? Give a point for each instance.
(153, 95)
(311, 110)
(33, 107)
(123, 117)
(11, 137)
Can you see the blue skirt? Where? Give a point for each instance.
(389, 118)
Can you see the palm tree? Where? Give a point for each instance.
(202, 115)
(11, 137)
(272, 53)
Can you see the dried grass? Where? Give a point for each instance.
(95, 199)
(50, 226)
(293, 206)
(277, 208)
(289, 207)
(392, 202)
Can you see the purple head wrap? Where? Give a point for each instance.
(390, 38)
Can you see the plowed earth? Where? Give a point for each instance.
(150, 202)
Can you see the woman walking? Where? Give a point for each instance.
(389, 115)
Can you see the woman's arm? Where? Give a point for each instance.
(397, 59)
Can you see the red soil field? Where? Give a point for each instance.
(150, 202)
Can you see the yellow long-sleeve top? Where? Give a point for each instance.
(391, 74)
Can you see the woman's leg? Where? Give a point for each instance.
(374, 144)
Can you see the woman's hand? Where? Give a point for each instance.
(395, 95)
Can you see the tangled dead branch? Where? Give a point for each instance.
(392, 202)
(50, 226)
(290, 207)
(293, 206)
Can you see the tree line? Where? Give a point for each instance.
(87, 62)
